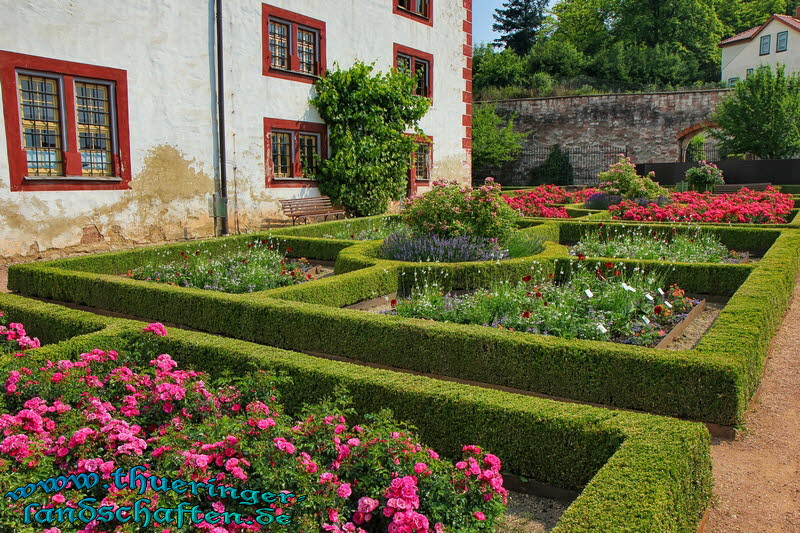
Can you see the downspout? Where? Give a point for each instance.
(221, 205)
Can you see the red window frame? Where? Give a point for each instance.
(295, 21)
(427, 20)
(295, 128)
(412, 172)
(416, 54)
(10, 63)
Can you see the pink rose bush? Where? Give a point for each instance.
(112, 410)
(14, 339)
(746, 206)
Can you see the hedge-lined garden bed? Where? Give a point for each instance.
(711, 383)
(657, 471)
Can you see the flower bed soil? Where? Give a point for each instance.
(683, 336)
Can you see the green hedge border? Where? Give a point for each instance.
(656, 471)
(712, 383)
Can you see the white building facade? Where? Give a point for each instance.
(110, 133)
(776, 41)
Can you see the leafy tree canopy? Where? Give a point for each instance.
(367, 115)
(761, 116)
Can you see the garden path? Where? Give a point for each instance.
(758, 475)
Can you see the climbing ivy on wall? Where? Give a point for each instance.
(368, 115)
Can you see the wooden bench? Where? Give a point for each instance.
(303, 208)
(728, 189)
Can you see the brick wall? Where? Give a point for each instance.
(650, 125)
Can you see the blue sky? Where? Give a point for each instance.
(482, 11)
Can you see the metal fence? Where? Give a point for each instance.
(559, 165)
(709, 152)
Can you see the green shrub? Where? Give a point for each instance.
(621, 179)
(452, 210)
(704, 177)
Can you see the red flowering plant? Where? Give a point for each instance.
(746, 206)
(109, 412)
(13, 337)
(542, 201)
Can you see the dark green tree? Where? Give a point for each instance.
(519, 22)
(367, 116)
(496, 69)
(761, 116)
(556, 169)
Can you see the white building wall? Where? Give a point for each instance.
(166, 47)
(737, 58)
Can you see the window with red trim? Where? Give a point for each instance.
(66, 124)
(417, 64)
(422, 159)
(419, 10)
(292, 151)
(294, 45)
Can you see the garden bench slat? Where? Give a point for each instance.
(297, 208)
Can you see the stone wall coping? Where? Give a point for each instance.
(604, 95)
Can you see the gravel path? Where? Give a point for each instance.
(758, 476)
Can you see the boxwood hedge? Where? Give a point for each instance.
(636, 472)
(712, 383)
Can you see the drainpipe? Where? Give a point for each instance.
(221, 203)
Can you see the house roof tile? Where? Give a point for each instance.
(748, 35)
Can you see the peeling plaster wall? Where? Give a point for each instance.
(166, 47)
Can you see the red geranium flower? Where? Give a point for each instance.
(581, 257)
(526, 279)
(197, 252)
(393, 303)
(244, 261)
(609, 265)
(526, 314)
(658, 309)
(551, 276)
(263, 241)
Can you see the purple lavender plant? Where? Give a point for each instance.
(432, 248)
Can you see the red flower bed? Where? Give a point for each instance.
(746, 206)
(538, 202)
